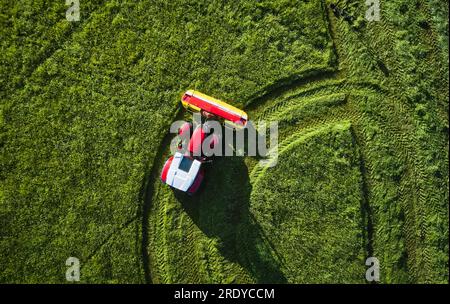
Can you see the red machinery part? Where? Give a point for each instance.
(214, 106)
(184, 128)
(166, 169)
(197, 182)
(195, 144)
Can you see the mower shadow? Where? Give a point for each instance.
(221, 210)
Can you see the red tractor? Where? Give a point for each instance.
(184, 171)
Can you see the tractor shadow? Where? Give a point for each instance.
(221, 210)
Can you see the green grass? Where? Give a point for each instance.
(310, 207)
(86, 108)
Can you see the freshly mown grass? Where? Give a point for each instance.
(85, 106)
(411, 211)
(310, 207)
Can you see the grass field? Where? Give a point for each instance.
(363, 119)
